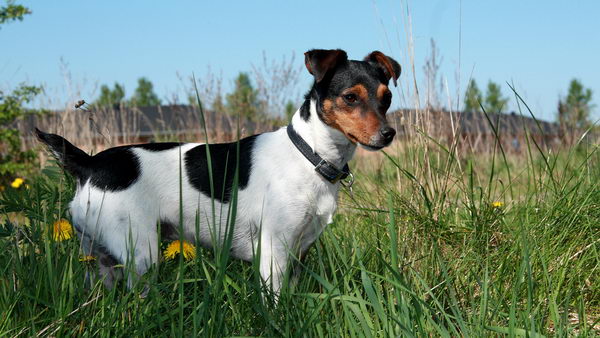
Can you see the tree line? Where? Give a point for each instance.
(573, 112)
(143, 95)
(243, 100)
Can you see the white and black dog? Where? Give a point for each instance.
(288, 180)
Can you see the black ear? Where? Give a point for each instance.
(390, 67)
(320, 61)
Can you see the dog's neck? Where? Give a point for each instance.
(331, 144)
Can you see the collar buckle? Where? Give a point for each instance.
(329, 171)
(320, 164)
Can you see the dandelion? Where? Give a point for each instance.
(87, 258)
(189, 250)
(497, 205)
(17, 182)
(63, 230)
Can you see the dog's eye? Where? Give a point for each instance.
(350, 98)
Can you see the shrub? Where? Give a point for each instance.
(13, 159)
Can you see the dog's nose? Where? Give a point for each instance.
(388, 133)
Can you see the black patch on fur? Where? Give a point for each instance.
(168, 230)
(158, 146)
(71, 158)
(305, 109)
(117, 168)
(108, 260)
(224, 162)
(114, 169)
(105, 256)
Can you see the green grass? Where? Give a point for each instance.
(418, 250)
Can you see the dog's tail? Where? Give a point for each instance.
(72, 159)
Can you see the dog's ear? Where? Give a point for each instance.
(320, 61)
(390, 67)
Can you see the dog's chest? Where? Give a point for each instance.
(326, 205)
(319, 214)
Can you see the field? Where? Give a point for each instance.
(478, 221)
(433, 241)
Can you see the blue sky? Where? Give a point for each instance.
(538, 46)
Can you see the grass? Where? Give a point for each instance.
(418, 250)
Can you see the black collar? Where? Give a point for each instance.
(326, 169)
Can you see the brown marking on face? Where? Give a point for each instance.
(327, 106)
(358, 125)
(358, 90)
(382, 90)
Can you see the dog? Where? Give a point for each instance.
(287, 180)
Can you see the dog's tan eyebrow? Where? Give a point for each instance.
(359, 90)
(382, 90)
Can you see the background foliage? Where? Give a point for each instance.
(14, 161)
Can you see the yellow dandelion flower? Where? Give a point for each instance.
(87, 258)
(497, 204)
(173, 249)
(63, 230)
(17, 182)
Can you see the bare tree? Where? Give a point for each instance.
(277, 84)
(431, 69)
(209, 89)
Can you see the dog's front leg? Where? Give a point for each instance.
(273, 261)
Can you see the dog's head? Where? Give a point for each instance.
(353, 96)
